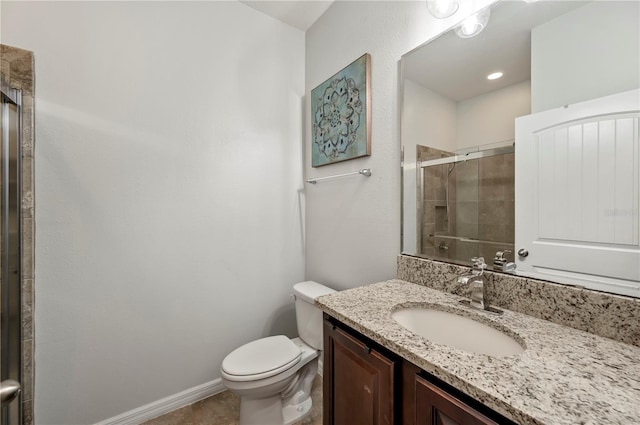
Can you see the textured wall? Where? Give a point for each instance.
(353, 224)
(169, 222)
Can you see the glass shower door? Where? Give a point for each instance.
(10, 250)
(466, 204)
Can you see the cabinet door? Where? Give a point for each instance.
(358, 381)
(434, 406)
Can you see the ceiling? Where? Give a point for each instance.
(299, 13)
(457, 68)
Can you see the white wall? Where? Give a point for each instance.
(353, 224)
(490, 117)
(168, 163)
(436, 121)
(429, 119)
(591, 61)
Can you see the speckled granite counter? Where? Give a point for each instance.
(565, 376)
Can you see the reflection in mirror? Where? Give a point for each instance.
(467, 204)
(458, 134)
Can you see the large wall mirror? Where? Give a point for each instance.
(536, 168)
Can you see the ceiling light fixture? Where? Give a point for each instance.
(474, 24)
(442, 8)
(494, 75)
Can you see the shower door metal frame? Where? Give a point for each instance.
(11, 272)
(469, 156)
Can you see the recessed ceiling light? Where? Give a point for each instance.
(494, 76)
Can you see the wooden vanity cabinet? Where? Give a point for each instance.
(434, 406)
(358, 380)
(366, 384)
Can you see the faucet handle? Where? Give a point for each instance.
(501, 258)
(478, 263)
(502, 255)
(478, 266)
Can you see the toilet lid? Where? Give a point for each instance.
(265, 357)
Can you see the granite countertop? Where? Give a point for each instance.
(565, 376)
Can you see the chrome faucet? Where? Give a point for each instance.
(501, 263)
(476, 282)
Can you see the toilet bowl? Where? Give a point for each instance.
(273, 376)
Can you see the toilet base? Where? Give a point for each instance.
(263, 411)
(295, 413)
(276, 410)
(270, 411)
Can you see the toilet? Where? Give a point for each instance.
(273, 375)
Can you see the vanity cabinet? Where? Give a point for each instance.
(358, 381)
(434, 406)
(366, 384)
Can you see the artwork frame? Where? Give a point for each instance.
(341, 115)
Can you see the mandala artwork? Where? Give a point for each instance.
(340, 110)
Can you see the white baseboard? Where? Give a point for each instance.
(166, 405)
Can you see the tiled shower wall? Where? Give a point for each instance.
(18, 69)
(496, 204)
(437, 217)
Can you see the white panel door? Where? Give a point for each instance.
(577, 185)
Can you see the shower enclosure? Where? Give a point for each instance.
(466, 203)
(10, 250)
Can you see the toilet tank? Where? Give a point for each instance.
(308, 316)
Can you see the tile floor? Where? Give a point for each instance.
(224, 408)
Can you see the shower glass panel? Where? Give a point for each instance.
(466, 203)
(10, 246)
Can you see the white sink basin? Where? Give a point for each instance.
(457, 331)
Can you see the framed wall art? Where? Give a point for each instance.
(341, 115)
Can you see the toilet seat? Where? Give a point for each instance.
(261, 359)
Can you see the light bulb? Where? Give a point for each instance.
(474, 24)
(494, 75)
(442, 8)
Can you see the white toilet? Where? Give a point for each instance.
(273, 375)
